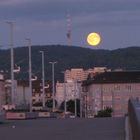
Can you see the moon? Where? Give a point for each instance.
(93, 39)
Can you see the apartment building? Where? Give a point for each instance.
(69, 90)
(77, 74)
(80, 74)
(110, 89)
(73, 79)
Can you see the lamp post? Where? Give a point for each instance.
(12, 61)
(75, 101)
(65, 102)
(30, 73)
(43, 79)
(81, 102)
(53, 88)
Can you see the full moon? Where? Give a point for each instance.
(93, 39)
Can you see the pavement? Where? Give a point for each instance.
(64, 129)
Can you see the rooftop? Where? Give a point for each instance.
(114, 77)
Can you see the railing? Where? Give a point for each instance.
(134, 118)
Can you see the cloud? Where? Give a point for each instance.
(45, 20)
(42, 9)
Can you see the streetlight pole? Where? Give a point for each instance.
(81, 102)
(65, 102)
(12, 61)
(43, 79)
(30, 73)
(53, 86)
(75, 89)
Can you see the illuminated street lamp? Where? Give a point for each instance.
(53, 86)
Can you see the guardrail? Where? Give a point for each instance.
(134, 118)
(21, 115)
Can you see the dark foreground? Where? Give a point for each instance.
(66, 129)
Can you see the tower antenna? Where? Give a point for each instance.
(69, 29)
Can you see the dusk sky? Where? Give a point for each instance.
(45, 22)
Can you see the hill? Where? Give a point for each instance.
(69, 57)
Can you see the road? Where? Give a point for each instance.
(64, 129)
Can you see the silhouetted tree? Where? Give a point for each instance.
(107, 112)
(49, 103)
(71, 106)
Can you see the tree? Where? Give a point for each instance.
(107, 112)
(71, 106)
(49, 103)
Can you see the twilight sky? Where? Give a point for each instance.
(45, 22)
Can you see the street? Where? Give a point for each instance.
(64, 129)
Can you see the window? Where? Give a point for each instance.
(107, 98)
(116, 87)
(128, 87)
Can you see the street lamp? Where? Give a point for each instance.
(43, 79)
(81, 102)
(75, 94)
(53, 88)
(30, 73)
(65, 102)
(12, 61)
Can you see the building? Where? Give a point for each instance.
(22, 90)
(2, 93)
(73, 79)
(110, 89)
(80, 74)
(69, 90)
(77, 73)
(21, 95)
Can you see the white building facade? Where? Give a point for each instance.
(110, 89)
(69, 90)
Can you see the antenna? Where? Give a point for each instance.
(69, 29)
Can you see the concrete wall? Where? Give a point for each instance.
(134, 118)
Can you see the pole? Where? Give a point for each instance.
(43, 80)
(12, 61)
(53, 85)
(30, 74)
(65, 102)
(75, 86)
(80, 95)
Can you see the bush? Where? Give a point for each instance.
(107, 112)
